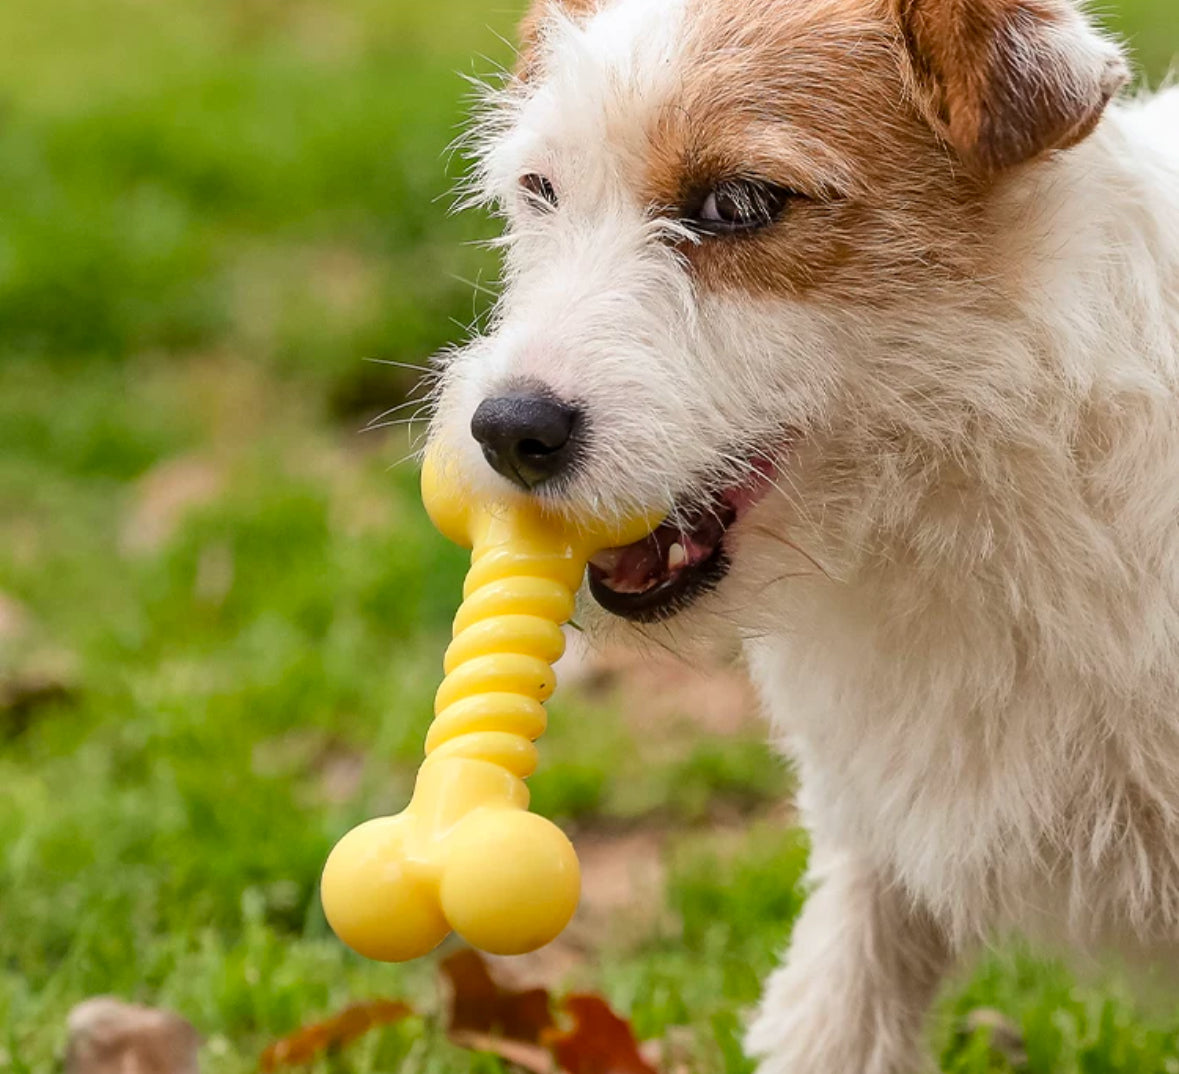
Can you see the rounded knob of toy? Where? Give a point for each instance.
(379, 899)
(510, 881)
(447, 500)
(505, 880)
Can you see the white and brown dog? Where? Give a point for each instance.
(881, 299)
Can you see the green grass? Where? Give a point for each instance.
(210, 212)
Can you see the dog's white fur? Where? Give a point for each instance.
(969, 638)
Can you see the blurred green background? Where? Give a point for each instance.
(221, 609)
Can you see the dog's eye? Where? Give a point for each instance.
(538, 190)
(741, 205)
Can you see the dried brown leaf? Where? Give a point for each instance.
(599, 1041)
(309, 1043)
(479, 1004)
(530, 1057)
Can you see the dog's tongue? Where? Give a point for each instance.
(633, 569)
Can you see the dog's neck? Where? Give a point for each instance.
(987, 442)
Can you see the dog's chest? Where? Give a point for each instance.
(991, 814)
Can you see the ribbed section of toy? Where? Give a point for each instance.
(507, 636)
(465, 854)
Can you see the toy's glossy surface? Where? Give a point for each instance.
(465, 855)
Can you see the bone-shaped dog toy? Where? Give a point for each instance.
(465, 855)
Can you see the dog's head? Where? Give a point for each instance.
(724, 218)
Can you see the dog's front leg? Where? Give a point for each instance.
(863, 966)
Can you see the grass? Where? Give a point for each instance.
(210, 212)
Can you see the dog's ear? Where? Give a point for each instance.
(1003, 81)
(529, 36)
(532, 29)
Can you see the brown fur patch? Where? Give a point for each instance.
(811, 96)
(996, 80)
(865, 108)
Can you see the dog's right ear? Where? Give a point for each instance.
(1003, 81)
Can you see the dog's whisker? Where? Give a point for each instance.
(423, 369)
(381, 419)
(416, 452)
(425, 414)
(415, 420)
(412, 399)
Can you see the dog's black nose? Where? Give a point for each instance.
(528, 437)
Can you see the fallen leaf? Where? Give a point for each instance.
(518, 1026)
(312, 1041)
(108, 1036)
(479, 1004)
(599, 1042)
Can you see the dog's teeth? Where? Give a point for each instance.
(676, 557)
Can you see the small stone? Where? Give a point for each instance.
(108, 1036)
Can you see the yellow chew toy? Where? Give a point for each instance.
(465, 855)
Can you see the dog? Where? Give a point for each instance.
(878, 300)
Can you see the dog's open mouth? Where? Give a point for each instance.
(662, 574)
